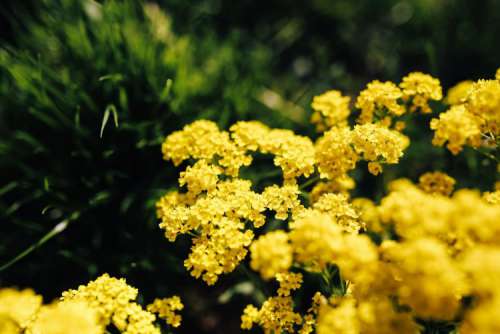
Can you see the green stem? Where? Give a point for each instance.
(309, 182)
(489, 155)
(49, 235)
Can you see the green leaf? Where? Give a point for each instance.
(165, 93)
(109, 109)
(46, 184)
(104, 121)
(8, 187)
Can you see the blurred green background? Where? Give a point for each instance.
(88, 90)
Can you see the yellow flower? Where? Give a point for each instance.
(483, 318)
(421, 88)
(282, 200)
(314, 238)
(334, 154)
(66, 317)
(492, 197)
(341, 318)
(200, 177)
(271, 254)
(330, 109)
(276, 315)
(249, 317)
(19, 306)
(8, 325)
(458, 93)
(458, 127)
(341, 184)
(436, 183)
(202, 140)
(483, 101)
(165, 308)
(249, 135)
(482, 267)
(378, 144)
(288, 282)
(341, 211)
(218, 250)
(379, 97)
(368, 214)
(423, 268)
(133, 319)
(106, 295)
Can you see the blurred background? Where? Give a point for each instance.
(88, 91)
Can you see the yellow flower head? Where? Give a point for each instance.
(342, 184)
(483, 101)
(379, 97)
(165, 308)
(19, 306)
(458, 93)
(339, 318)
(334, 154)
(67, 317)
(458, 127)
(437, 183)
(421, 88)
(288, 282)
(314, 238)
(271, 254)
(330, 109)
(423, 267)
(106, 295)
(341, 211)
(376, 143)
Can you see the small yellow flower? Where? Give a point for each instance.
(165, 308)
(421, 88)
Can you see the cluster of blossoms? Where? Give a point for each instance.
(423, 254)
(473, 118)
(90, 309)
(218, 206)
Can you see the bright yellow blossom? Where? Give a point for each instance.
(165, 308)
(458, 93)
(421, 88)
(379, 97)
(19, 306)
(271, 254)
(66, 317)
(330, 109)
(436, 183)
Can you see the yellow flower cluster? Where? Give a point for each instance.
(344, 315)
(473, 119)
(66, 317)
(271, 254)
(420, 88)
(217, 204)
(458, 93)
(339, 150)
(382, 101)
(423, 253)
(330, 109)
(165, 308)
(377, 98)
(276, 313)
(19, 306)
(87, 310)
(437, 183)
(458, 127)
